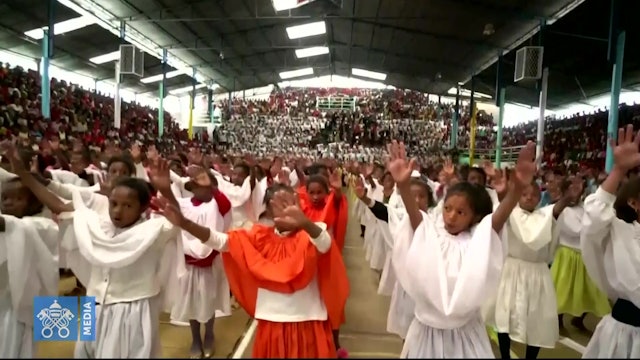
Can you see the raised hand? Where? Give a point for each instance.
(159, 175)
(488, 168)
(359, 188)
(525, 168)
(398, 165)
(626, 155)
(168, 210)
(105, 186)
(576, 188)
(288, 212)
(283, 177)
(499, 182)
(152, 153)
(335, 179)
(9, 150)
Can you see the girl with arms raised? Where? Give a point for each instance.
(449, 260)
(290, 277)
(611, 252)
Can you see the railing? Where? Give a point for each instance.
(509, 155)
(336, 103)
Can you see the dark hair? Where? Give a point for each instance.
(141, 187)
(273, 189)
(480, 172)
(478, 197)
(423, 184)
(189, 184)
(125, 160)
(630, 190)
(319, 179)
(34, 206)
(315, 169)
(244, 166)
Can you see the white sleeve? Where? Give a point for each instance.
(323, 241)
(218, 241)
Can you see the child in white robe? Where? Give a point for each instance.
(401, 307)
(115, 247)
(241, 192)
(448, 261)
(27, 267)
(611, 253)
(526, 309)
(203, 286)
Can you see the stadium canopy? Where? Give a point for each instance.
(428, 46)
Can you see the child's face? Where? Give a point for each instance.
(124, 207)
(421, 195)
(317, 193)
(530, 198)
(475, 178)
(15, 199)
(118, 170)
(457, 214)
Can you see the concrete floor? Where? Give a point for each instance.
(364, 334)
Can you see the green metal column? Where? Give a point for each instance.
(501, 100)
(616, 56)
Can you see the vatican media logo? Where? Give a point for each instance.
(63, 318)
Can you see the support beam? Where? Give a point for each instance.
(47, 53)
(500, 100)
(617, 37)
(161, 93)
(541, 119)
(117, 101)
(192, 105)
(616, 85)
(454, 120)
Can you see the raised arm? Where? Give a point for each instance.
(401, 170)
(521, 177)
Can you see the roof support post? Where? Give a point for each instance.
(117, 101)
(210, 103)
(161, 94)
(47, 54)
(474, 123)
(616, 56)
(542, 106)
(192, 104)
(500, 100)
(453, 141)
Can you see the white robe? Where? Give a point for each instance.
(375, 249)
(611, 253)
(526, 306)
(203, 290)
(136, 264)
(27, 269)
(401, 307)
(448, 277)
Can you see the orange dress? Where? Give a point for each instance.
(259, 258)
(334, 215)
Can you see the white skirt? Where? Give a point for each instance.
(613, 340)
(526, 304)
(387, 278)
(128, 330)
(467, 342)
(203, 291)
(401, 312)
(375, 246)
(16, 340)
